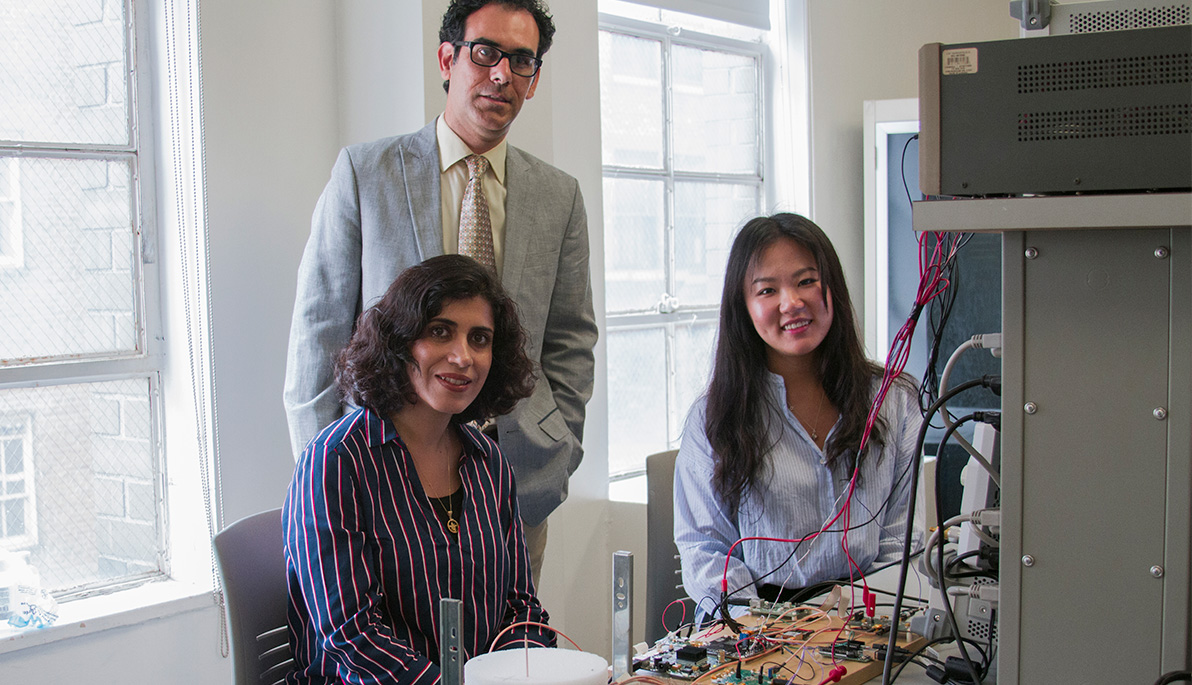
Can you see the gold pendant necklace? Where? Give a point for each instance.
(452, 524)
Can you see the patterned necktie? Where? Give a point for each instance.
(475, 230)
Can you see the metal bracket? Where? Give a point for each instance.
(451, 666)
(1032, 14)
(622, 614)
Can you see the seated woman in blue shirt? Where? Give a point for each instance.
(776, 434)
(403, 501)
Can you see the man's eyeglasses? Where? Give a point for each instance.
(486, 55)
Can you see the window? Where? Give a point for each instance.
(16, 485)
(11, 252)
(682, 129)
(81, 476)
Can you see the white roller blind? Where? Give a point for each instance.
(755, 13)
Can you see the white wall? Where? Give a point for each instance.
(288, 82)
(863, 50)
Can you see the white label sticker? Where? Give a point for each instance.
(959, 61)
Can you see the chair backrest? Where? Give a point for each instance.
(252, 566)
(664, 576)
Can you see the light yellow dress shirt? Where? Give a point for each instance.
(453, 180)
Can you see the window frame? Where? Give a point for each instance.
(146, 360)
(669, 314)
(22, 423)
(14, 256)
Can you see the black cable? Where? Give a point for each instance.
(1174, 677)
(992, 628)
(961, 557)
(922, 649)
(986, 381)
(726, 599)
(939, 513)
(950, 571)
(902, 170)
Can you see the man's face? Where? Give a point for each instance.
(482, 102)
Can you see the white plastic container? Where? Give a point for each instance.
(18, 582)
(546, 666)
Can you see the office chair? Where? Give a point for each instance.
(664, 577)
(252, 568)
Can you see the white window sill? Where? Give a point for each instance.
(629, 490)
(94, 614)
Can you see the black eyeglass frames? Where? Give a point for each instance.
(486, 55)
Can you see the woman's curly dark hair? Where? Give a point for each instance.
(372, 371)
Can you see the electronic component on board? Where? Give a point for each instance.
(848, 650)
(694, 657)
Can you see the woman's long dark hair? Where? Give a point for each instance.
(739, 405)
(372, 371)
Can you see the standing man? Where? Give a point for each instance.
(458, 186)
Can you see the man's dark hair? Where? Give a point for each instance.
(455, 20)
(372, 371)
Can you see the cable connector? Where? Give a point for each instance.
(989, 341)
(937, 674)
(957, 670)
(993, 382)
(986, 592)
(834, 675)
(900, 653)
(993, 418)
(989, 518)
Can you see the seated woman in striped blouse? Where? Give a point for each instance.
(404, 501)
(777, 433)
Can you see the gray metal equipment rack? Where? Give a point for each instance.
(1096, 500)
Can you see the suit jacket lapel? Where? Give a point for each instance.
(519, 222)
(420, 164)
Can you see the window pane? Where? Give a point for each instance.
(64, 75)
(715, 111)
(14, 458)
(634, 251)
(636, 397)
(10, 236)
(707, 217)
(91, 468)
(694, 347)
(14, 518)
(74, 294)
(631, 100)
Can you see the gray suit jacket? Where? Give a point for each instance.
(378, 215)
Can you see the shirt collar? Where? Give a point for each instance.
(381, 430)
(452, 149)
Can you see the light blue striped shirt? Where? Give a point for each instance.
(793, 498)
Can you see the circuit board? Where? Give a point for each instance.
(772, 637)
(689, 658)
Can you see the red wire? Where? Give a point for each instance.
(682, 618)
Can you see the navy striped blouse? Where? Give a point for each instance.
(368, 559)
